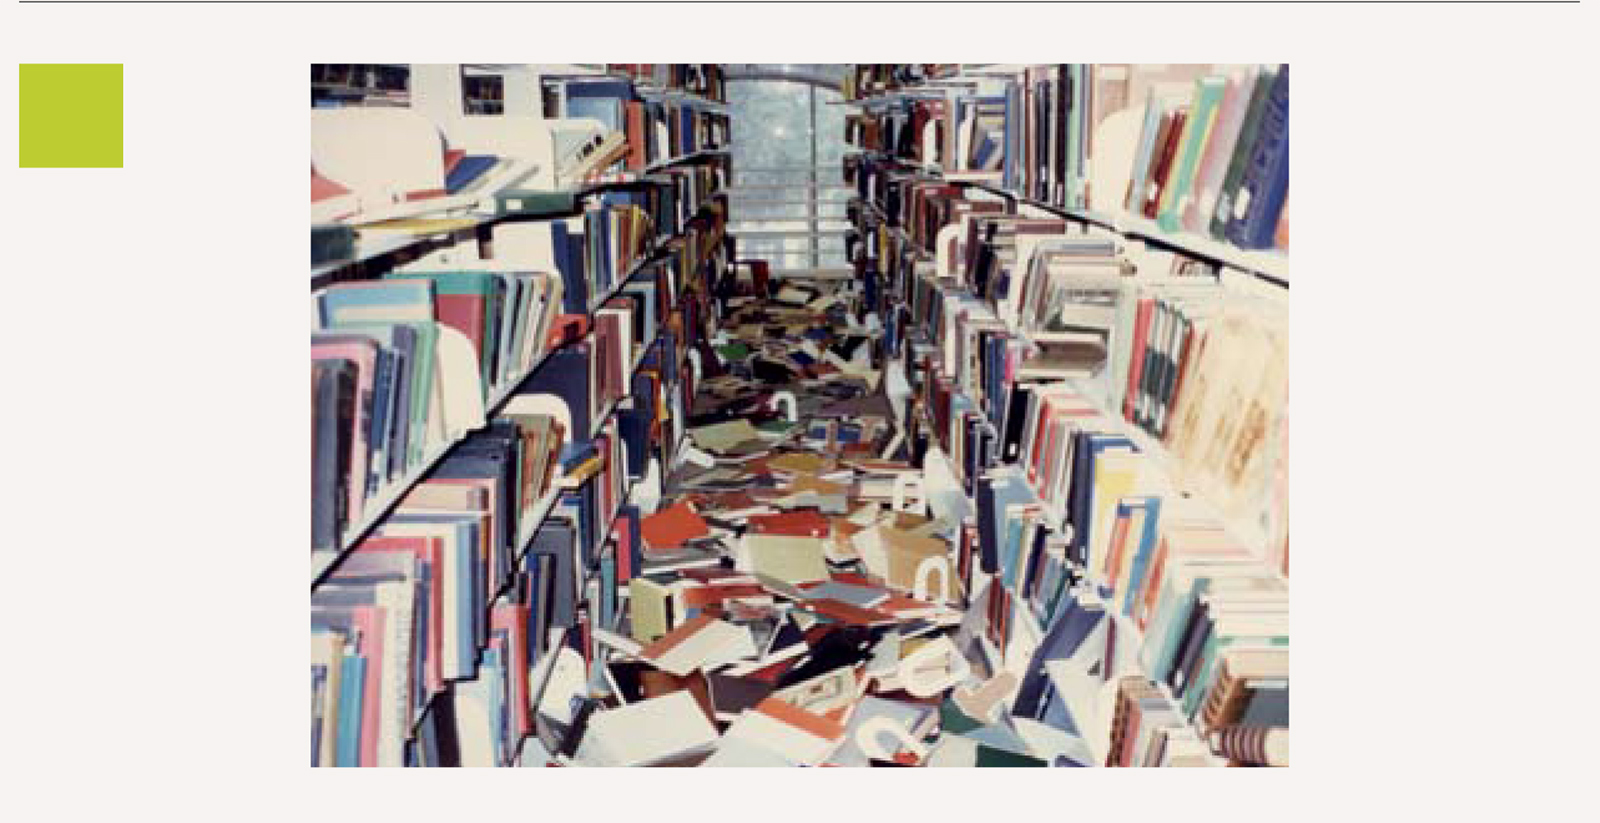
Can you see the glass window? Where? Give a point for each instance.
(787, 198)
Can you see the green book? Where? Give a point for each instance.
(954, 721)
(1077, 180)
(422, 380)
(1241, 153)
(991, 757)
(529, 203)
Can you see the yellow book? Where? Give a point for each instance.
(1115, 474)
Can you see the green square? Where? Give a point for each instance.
(69, 115)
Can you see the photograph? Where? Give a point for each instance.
(777, 415)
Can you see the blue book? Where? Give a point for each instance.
(494, 673)
(565, 375)
(1146, 547)
(531, 594)
(352, 679)
(557, 540)
(468, 169)
(368, 301)
(400, 341)
(994, 494)
(1141, 159)
(1265, 184)
(1013, 552)
(602, 100)
(568, 249)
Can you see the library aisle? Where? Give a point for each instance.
(895, 415)
(787, 444)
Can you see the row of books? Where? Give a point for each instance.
(1181, 602)
(1208, 386)
(646, 131)
(408, 611)
(955, 132)
(707, 80)
(403, 365)
(1198, 149)
(1164, 348)
(1213, 157)
(422, 657)
(868, 79)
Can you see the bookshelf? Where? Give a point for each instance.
(324, 563)
(961, 313)
(377, 509)
(1270, 265)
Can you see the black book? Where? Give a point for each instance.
(1194, 637)
(333, 424)
(1021, 395)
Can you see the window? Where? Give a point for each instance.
(787, 197)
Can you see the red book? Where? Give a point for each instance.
(847, 613)
(1173, 135)
(427, 550)
(1141, 331)
(702, 596)
(567, 328)
(637, 158)
(464, 313)
(513, 619)
(672, 526)
(797, 523)
(451, 158)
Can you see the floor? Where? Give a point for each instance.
(795, 585)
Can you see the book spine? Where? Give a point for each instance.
(1242, 150)
(1166, 159)
(1265, 183)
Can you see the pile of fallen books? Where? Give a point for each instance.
(791, 608)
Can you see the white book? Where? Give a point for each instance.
(647, 732)
(450, 646)
(716, 643)
(395, 597)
